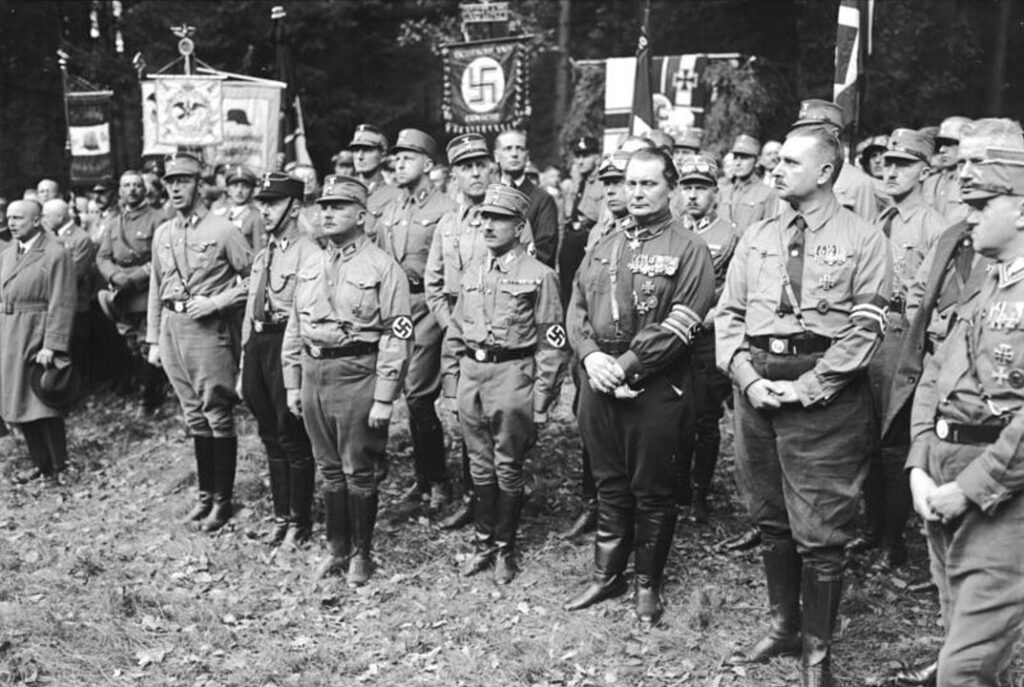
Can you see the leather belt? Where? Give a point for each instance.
(499, 355)
(898, 306)
(176, 306)
(349, 351)
(800, 344)
(956, 433)
(612, 347)
(11, 308)
(269, 327)
(416, 286)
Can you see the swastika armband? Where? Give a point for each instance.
(554, 336)
(402, 328)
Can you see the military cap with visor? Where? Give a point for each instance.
(182, 165)
(819, 113)
(690, 137)
(1001, 173)
(339, 188)
(416, 141)
(698, 168)
(585, 145)
(909, 144)
(746, 145)
(467, 147)
(951, 129)
(500, 199)
(277, 185)
(369, 136)
(613, 166)
(240, 173)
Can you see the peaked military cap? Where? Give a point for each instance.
(500, 199)
(343, 189)
(690, 137)
(819, 113)
(951, 128)
(746, 145)
(613, 166)
(240, 173)
(698, 168)
(467, 147)
(1001, 173)
(417, 141)
(275, 185)
(182, 165)
(368, 136)
(909, 144)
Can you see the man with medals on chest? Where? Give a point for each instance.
(405, 232)
(503, 357)
(457, 242)
(199, 280)
(272, 287)
(802, 312)
(912, 228)
(967, 432)
(344, 357)
(698, 180)
(639, 299)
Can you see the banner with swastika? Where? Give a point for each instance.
(486, 85)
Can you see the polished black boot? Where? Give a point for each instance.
(585, 522)
(485, 517)
(654, 532)
(206, 477)
(705, 458)
(821, 591)
(225, 455)
(280, 490)
(510, 507)
(339, 539)
(782, 566)
(428, 453)
(362, 518)
(613, 543)
(301, 481)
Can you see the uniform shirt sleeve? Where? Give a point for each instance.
(453, 348)
(291, 351)
(154, 311)
(997, 474)
(105, 257)
(659, 343)
(552, 343)
(857, 341)
(915, 291)
(578, 325)
(250, 300)
(922, 413)
(239, 255)
(395, 343)
(433, 276)
(731, 347)
(544, 219)
(60, 308)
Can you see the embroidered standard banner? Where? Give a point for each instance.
(189, 110)
(89, 133)
(486, 85)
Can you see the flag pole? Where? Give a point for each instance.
(62, 60)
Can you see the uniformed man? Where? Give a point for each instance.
(698, 184)
(37, 306)
(504, 350)
(344, 356)
(800, 317)
(344, 162)
(123, 261)
(580, 211)
(511, 155)
(368, 146)
(941, 188)
(405, 232)
(457, 242)
(967, 426)
(271, 290)
(767, 161)
(854, 189)
(944, 290)
(869, 155)
(688, 142)
(745, 200)
(199, 280)
(912, 228)
(639, 299)
(56, 219)
(241, 211)
(614, 216)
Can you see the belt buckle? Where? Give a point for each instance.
(8, 308)
(315, 351)
(777, 346)
(480, 355)
(180, 306)
(258, 326)
(941, 428)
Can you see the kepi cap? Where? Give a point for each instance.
(746, 145)
(1001, 173)
(819, 113)
(417, 141)
(500, 199)
(344, 189)
(951, 128)
(467, 147)
(698, 168)
(690, 137)
(585, 145)
(880, 142)
(240, 173)
(182, 165)
(368, 136)
(613, 166)
(662, 139)
(909, 144)
(276, 185)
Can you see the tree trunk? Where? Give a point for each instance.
(999, 43)
(562, 73)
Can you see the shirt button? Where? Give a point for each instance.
(794, 253)
(489, 291)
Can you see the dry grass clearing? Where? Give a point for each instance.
(101, 585)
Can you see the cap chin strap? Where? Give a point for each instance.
(284, 215)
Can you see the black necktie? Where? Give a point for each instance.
(795, 258)
(887, 226)
(260, 311)
(964, 259)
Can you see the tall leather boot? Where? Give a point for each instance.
(654, 532)
(612, 545)
(585, 522)
(153, 387)
(428, 452)
(485, 516)
(510, 507)
(874, 508)
(225, 455)
(279, 494)
(203, 447)
(782, 566)
(339, 538)
(463, 515)
(821, 591)
(362, 518)
(301, 479)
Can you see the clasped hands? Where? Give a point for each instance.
(936, 503)
(606, 375)
(769, 393)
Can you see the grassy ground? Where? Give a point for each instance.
(100, 584)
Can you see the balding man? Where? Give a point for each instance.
(47, 189)
(56, 219)
(37, 303)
